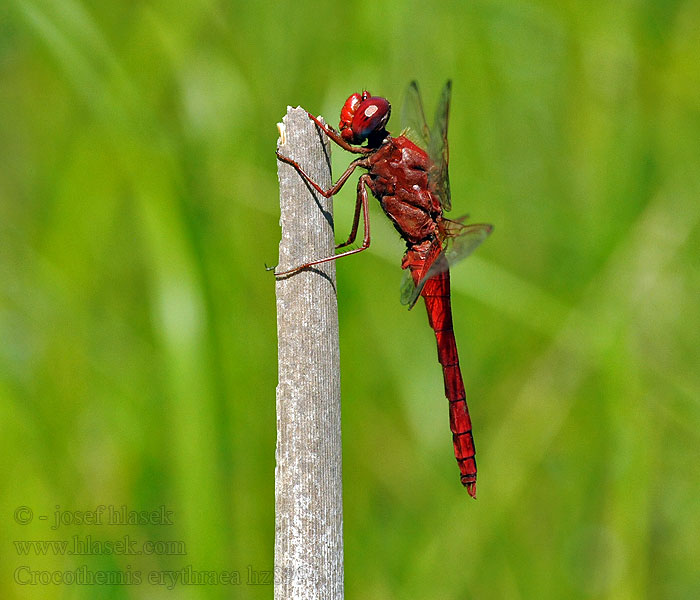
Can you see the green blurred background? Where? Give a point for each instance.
(138, 203)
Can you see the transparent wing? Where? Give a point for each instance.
(410, 292)
(432, 140)
(408, 289)
(413, 121)
(438, 149)
(460, 241)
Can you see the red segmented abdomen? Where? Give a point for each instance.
(436, 294)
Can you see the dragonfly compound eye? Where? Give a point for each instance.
(370, 117)
(347, 113)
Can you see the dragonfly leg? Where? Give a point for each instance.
(335, 136)
(362, 200)
(355, 223)
(360, 162)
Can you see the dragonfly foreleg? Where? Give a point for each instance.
(360, 162)
(335, 136)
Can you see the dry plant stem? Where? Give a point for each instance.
(308, 476)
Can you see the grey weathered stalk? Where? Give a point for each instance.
(308, 476)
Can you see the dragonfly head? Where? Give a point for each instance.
(363, 117)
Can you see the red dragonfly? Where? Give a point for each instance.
(408, 175)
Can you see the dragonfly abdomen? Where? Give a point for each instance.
(436, 294)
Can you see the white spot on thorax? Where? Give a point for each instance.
(370, 110)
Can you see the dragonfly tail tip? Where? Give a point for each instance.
(471, 487)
